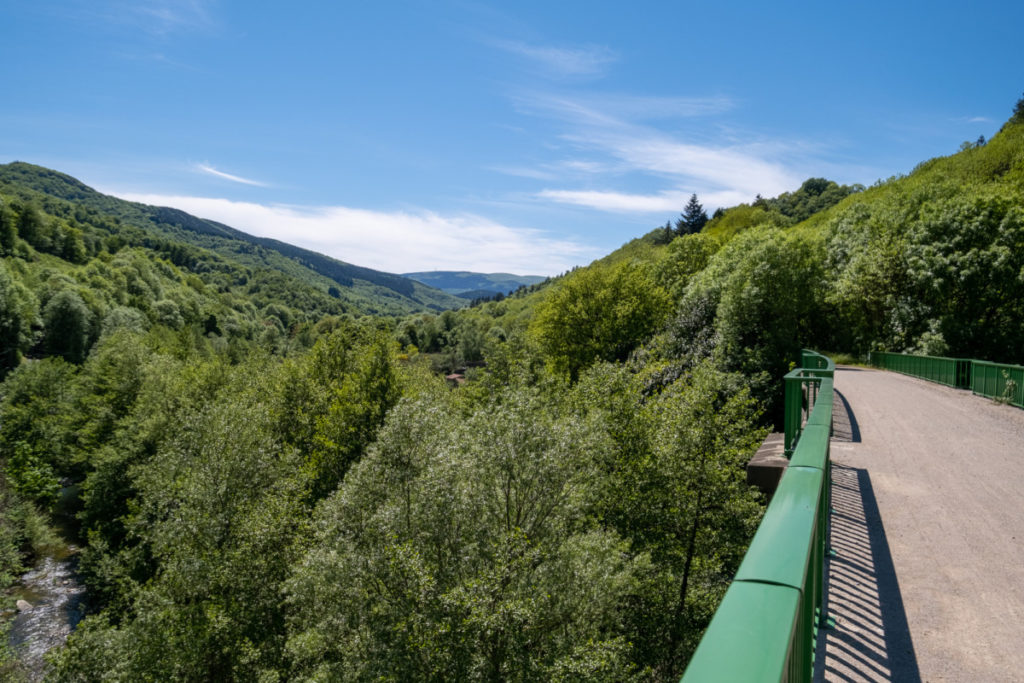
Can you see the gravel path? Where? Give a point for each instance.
(928, 488)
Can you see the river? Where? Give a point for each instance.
(56, 598)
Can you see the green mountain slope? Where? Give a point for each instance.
(483, 284)
(364, 289)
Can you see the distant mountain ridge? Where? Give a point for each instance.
(370, 290)
(463, 282)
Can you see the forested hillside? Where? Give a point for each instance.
(461, 282)
(270, 490)
(929, 262)
(71, 205)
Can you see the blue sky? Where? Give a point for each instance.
(524, 137)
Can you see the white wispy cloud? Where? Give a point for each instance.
(748, 169)
(565, 108)
(558, 170)
(210, 170)
(396, 241)
(621, 202)
(534, 173)
(166, 16)
(155, 18)
(648, 107)
(979, 119)
(617, 108)
(562, 62)
(721, 176)
(615, 136)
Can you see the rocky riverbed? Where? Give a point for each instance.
(50, 605)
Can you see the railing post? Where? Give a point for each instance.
(792, 399)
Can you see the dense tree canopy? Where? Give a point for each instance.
(599, 314)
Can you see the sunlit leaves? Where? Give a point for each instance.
(601, 313)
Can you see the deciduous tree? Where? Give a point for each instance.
(66, 326)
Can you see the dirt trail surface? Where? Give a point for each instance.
(928, 491)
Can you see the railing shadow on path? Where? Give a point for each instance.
(844, 422)
(871, 638)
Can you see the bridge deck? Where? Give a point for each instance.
(928, 488)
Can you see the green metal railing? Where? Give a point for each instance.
(766, 626)
(801, 393)
(997, 381)
(1000, 382)
(953, 372)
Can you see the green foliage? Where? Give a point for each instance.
(473, 536)
(743, 217)
(965, 259)
(675, 488)
(200, 478)
(34, 428)
(17, 315)
(770, 289)
(153, 396)
(598, 314)
(685, 257)
(358, 399)
(789, 208)
(31, 227)
(483, 545)
(8, 233)
(868, 258)
(465, 525)
(86, 291)
(752, 309)
(1009, 389)
(124, 318)
(933, 261)
(815, 195)
(1018, 113)
(13, 535)
(24, 534)
(217, 508)
(66, 326)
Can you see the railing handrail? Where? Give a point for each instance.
(917, 355)
(814, 360)
(766, 625)
(999, 381)
(1008, 366)
(953, 372)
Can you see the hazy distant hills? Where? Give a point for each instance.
(364, 289)
(473, 285)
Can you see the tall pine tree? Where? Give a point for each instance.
(692, 219)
